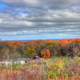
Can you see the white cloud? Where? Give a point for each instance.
(48, 19)
(1, 20)
(11, 1)
(32, 2)
(48, 2)
(41, 17)
(56, 16)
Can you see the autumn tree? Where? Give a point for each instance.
(30, 52)
(46, 53)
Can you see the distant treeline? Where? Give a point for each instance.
(41, 48)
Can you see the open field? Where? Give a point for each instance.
(56, 68)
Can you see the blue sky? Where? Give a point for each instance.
(39, 19)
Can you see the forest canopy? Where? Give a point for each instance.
(41, 48)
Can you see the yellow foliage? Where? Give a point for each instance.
(59, 64)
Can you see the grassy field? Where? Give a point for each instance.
(56, 68)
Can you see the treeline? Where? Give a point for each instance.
(45, 49)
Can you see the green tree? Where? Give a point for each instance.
(30, 52)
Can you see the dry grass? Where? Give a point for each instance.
(50, 69)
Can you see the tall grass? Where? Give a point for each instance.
(29, 71)
(57, 68)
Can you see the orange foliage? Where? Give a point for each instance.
(46, 53)
(38, 42)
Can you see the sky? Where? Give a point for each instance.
(39, 19)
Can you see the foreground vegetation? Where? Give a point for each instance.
(64, 68)
(56, 68)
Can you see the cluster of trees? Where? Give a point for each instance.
(45, 49)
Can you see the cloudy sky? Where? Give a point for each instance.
(39, 19)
